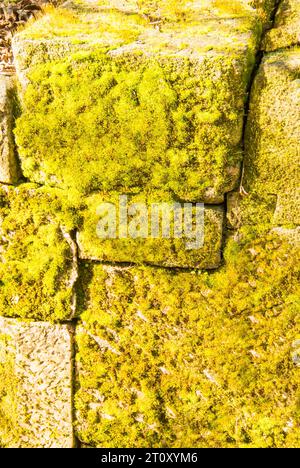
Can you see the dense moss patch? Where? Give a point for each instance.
(115, 21)
(286, 30)
(189, 250)
(158, 107)
(36, 257)
(90, 123)
(172, 359)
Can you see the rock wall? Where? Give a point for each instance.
(139, 342)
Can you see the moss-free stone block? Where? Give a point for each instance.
(272, 157)
(151, 230)
(9, 171)
(286, 30)
(35, 385)
(38, 262)
(141, 104)
(168, 358)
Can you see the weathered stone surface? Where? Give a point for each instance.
(145, 107)
(250, 209)
(38, 263)
(291, 235)
(286, 31)
(8, 163)
(272, 157)
(36, 385)
(160, 351)
(166, 250)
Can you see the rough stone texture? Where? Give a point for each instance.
(168, 358)
(9, 171)
(165, 357)
(291, 235)
(38, 263)
(272, 157)
(167, 252)
(35, 396)
(189, 139)
(286, 30)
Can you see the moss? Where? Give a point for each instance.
(116, 21)
(171, 99)
(250, 210)
(9, 427)
(168, 252)
(285, 32)
(133, 123)
(9, 171)
(272, 137)
(37, 264)
(114, 24)
(265, 8)
(174, 359)
(35, 388)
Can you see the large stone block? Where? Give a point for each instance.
(38, 263)
(174, 359)
(9, 171)
(142, 105)
(272, 157)
(153, 231)
(36, 385)
(286, 30)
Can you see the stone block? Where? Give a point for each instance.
(286, 30)
(272, 157)
(36, 385)
(197, 247)
(38, 258)
(9, 171)
(138, 106)
(160, 351)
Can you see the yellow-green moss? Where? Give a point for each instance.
(115, 22)
(271, 175)
(93, 123)
(286, 30)
(162, 109)
(36, 264)
(170, 359)
(166, 27)
(168, 252)
(9, 427)
(35, 385)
